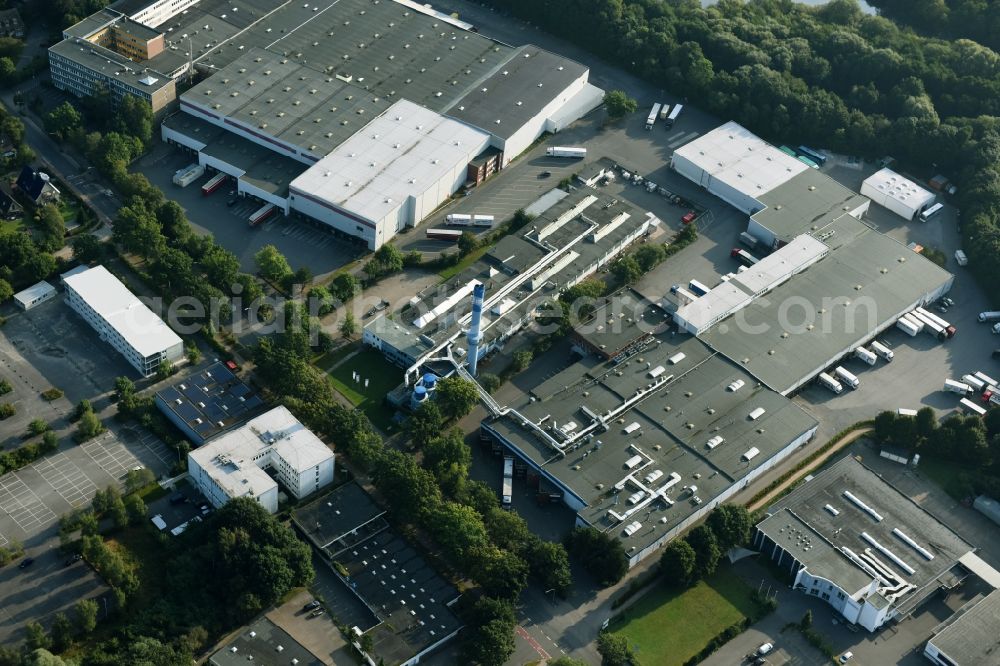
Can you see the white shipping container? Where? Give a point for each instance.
(882, 350)
(847, 377)
(903, 411)
(917, 323)
(907, 327)
(865, 355)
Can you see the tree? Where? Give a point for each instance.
(50, 442)
(731, 524)
(119, 514)
(164, 370)
(648, 256)
(82, 407)
(448, 458)
(677, 563)
(458, 529)
(86, 248)
(136, 479)
(489, 382)
(63, 120)
(456, 396)
(549, 565)
(6, 291)
(807, 620)
(35, 636)
(425, 423)
(386, 260)
(706, 549)
(42, 657)
(221, 268)
(566, 661)
(271, 264)
(602, 555)
(627, 269)
(348, 327)
(501, 573)
(135, 509)
(37, 427)
(489, 636)
(618, 104)
(411, 491)
(124, 387)
(50, 222)
(85, 615)
(344, 287)
(61, 632)
(88, 427)
(467, 242)
(614, 649)
(521, 360)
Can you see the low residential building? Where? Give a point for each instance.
(37, 186)
(232, 465)
(9, 208)
(971, 637)
(34, 295)
(854, 541)
(11, 24)
(122, 320)
(207, 403)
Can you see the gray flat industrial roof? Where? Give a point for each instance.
(410, 599)
(627, 317)
(974, 636)
(210, 401)
(672, 425)
(896, 512)
(516, 91)
(806, 203)
(513, 254)
(879, 277)
(810, 548)
(333, 521)
(263, 643)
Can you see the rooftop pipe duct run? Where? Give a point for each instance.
(475, 336)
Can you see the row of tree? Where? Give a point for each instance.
(967, 439)
(697, 555)
(830, 76)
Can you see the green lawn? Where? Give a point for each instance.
(326, 361)
(667, 628)
(382, 377)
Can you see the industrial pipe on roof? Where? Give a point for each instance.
(475, 336)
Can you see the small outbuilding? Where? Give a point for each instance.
(34, 295)
(900, 195)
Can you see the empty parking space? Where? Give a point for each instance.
(154, 444)
(21, 504)
(67, 479)
(111, 455)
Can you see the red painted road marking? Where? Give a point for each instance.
(522, 632)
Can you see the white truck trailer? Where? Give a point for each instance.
(986, 317)
(566, 151)
(865, 355)
(957, 387)
(653, 114)
(846, 377)
(881, 350)
(830, 383)
(907, 326)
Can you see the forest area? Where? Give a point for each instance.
(830, 76)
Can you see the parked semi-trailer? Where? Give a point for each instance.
(674, 113)
(508, 481)
(744, 257)
(264, 212)
(566, 151)
(829, 382)
(698, 288)
(985, 317)
(651, 118)
(444, 234)
(917, 323)
(748, 239)
(948, 328)
(865, 355)
(664, 111)
(956, 387)
(214, 183)
(881, 350)
(930, 325)
(985, 378)
(848, 378)
(188, 174)
(972, 407)
(907, 326)
(974, 382)
(815, 156)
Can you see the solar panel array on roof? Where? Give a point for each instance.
(208, 402)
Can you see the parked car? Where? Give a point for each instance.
(312, 605)
(689, 217)
(545, 174)
(766, 648)
(75, 558)
(846, 657)
(26, 562)
(947, 302)
(317, 612)
(942, 309)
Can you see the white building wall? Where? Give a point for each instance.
(168, 134)
(243, 187)
(218, 497)
(518, 142)
(157, 12)
(305, 482)
(340, 220)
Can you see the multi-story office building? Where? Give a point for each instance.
(122, 320)
(232, 465)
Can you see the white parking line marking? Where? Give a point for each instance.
(19, 502)
(67, 479)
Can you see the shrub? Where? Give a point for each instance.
(7, 410)
(52, 394)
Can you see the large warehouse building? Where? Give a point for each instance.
(386, 108)
(862, 546)
(848, 282)
(122, 320)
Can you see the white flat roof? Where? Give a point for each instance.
(34, 292)
(403, 152)
(229, 458)
(765, 275)
(136, 323)
(735, 156)
(894, 186)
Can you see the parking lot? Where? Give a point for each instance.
(304, 243)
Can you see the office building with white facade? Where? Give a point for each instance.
(233, 464)
(855, 542)
(122, 320)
